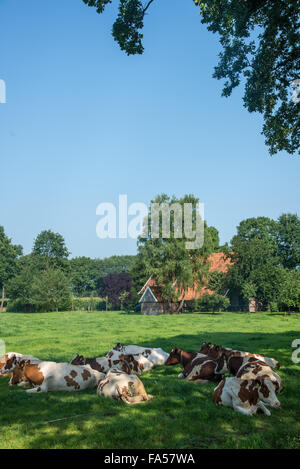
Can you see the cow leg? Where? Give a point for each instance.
(34, 390)
(263, 408)
(242, 410)
(134, 399)
(22, 384)
(42, 388)
(199, 380)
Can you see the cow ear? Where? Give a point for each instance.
(179, 350)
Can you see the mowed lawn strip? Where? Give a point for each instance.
(182, 414)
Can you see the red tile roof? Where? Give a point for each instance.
(218, 262)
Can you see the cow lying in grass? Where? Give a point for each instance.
(259, 369)
(181, 356)
(122, 386)
(100, 363)
(10, 360)
(149, 357)
(50, 376)
(202, 370)
(246, 396)
(247, 367)
(196, 366)
(126, 363)
(215, 351)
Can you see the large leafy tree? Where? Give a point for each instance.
(260, 41)
(257, 271)
(19, 286)
(50, 290)
(167, 259)
(9, 254)
(84, 273)
(289, 295)
(50, 250)
(288, 240)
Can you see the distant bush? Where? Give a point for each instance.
(17, 306)
(90, 304)
(207, 302)
(190, 306)
(212, 303)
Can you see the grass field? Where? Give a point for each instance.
(182, 414)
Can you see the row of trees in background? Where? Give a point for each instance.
(265, 257)
(47, 280)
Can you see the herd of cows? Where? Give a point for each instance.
(253, 385)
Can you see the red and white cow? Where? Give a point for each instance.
(147, 357)
(215, 351)
(50, 376)
(126, 363)
(10, 360)
(246, 396)
(248, 367)
(183, 357)
(232, 363)
(97, 363)
(201, 370)
(122, 386)
(259, 369)
(17, 378)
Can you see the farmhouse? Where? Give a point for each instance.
(151, 301)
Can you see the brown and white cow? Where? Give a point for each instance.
(247, 367)
(259, 369)
(50, 376)
(122, 386)
(153, 356)
(126, 363)
(98, 363)
(246, 396)
(183, 357)
(17, 375)
(201, 370)
(215, 351)
(232, 363)
(10, 360)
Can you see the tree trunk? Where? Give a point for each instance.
(2, 299)
(180, 304)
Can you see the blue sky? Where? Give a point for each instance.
(84, 123)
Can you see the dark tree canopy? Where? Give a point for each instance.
(260, 40)
(114, 285)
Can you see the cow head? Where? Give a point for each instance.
(128, 364)
(78, 360)
(3, 360)
(267, 391)
(222, 364)
(10, 364)
(118, 347)
(174, 357)
(206, 346)
(18, 373)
